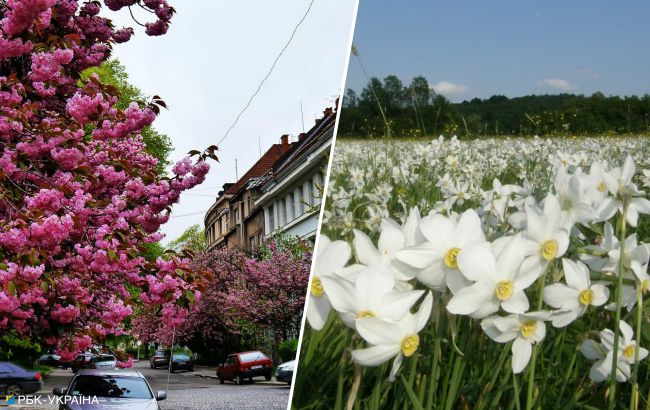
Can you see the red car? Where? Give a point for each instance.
(245, 365)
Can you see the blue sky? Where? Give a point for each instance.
(480, 48)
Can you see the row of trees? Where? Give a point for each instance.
(414, 110)
(250, 302)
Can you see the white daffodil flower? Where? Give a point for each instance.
(619, 183)
(547, 235)
(391, 340)
(523, 330)
(574, 204)
(596, 258)
(372, 295)
(635, 258)
(330, 257)
(603, 354)
(498, 281)
(436, 259)
(391, 240)
(574, 298)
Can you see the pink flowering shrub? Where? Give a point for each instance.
(79, 194)
(267, 291)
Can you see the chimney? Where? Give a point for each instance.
(301, 136)
(285, 142)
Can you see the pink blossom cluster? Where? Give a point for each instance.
(79, 194)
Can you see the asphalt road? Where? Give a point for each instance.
(188, 391)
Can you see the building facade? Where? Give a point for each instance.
(234, 220)
(292, 189)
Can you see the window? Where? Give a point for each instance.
(237, 215)
(110, 386)
(318, 182)
(281, 213)
(227, 219)
(297, 203)
(308, 194)
(271, 218)
(249, 201)
(288, 201)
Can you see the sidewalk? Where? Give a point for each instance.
(211, 373)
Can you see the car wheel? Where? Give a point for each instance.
(14, 390)
(237, 380)
(221, 381)
(191, 369)
(267, 377)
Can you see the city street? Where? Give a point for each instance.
(188, 391)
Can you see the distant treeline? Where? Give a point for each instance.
(416, 110)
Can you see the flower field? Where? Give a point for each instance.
(494, 273)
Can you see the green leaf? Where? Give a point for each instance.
(111, 254)
(11, 287)
(189, 295)
(45, 286)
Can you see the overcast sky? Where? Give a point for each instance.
(469, 48)
(211, 61)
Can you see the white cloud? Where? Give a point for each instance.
(562, 85)
(446, 87)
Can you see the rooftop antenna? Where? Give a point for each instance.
(302, 118)
(259, 144)
(236, 172)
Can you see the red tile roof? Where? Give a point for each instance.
(262, 165)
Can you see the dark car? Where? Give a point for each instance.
(245, 365)
(182, 362)
(83, 361)
(159, 359)
(16, 380)
(284, 372)
(100, 389)
(50, 359)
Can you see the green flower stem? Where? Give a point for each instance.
(533, 360)
(634, 399)
(617, 317)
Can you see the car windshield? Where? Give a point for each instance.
(181, 357)
(252, 357)
(110, 386)
(105, 358)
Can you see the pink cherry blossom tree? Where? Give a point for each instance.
(79, 195)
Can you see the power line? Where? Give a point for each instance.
(268, 74)
(190, 214)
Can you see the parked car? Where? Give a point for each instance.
(50, 359)
(16, 380)
(103, 361)
(83, 361)
(159, 359)
(181, 361)
(245, 365)
(119, 389)
(284, 372)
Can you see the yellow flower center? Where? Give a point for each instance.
(528, 328)
(461, 195)
(549, 249)
(410, 345)
(365, 313)
(451, 258)
(317, 287)
(586, 297)
(628, 352)
(601, 187)
(645, 285)
(504, 289)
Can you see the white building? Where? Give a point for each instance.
(292, 189)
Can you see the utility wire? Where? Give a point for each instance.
(268, 74)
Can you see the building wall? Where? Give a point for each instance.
(291, 209)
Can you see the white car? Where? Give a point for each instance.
(284, 372)
(104, 362)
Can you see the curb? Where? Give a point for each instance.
(271, 383)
